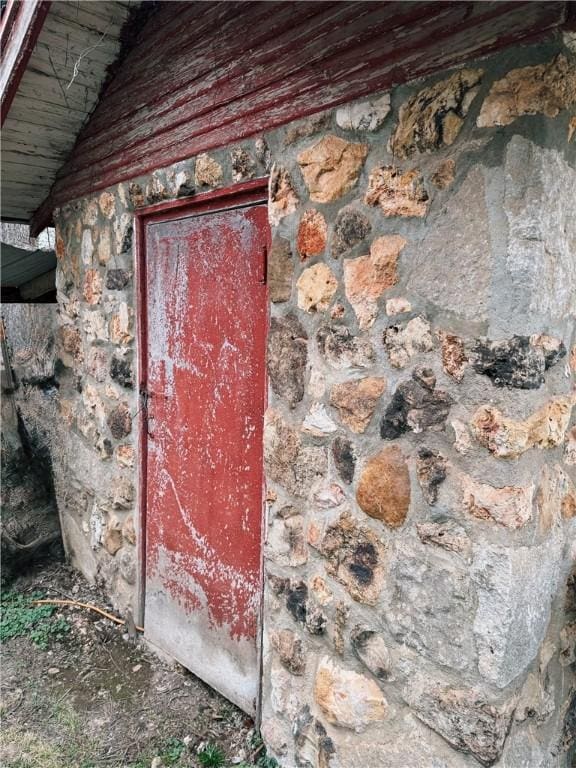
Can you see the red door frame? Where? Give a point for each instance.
(236, 196)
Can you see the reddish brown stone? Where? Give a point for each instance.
(92, 290)
(367, 277)
(60, 247)
(312, 234)
(384, 487)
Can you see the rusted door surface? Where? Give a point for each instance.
(206, 331)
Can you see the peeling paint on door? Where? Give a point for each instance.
(206, 329)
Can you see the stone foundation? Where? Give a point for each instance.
(420, 447)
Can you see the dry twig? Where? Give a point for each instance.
(88, 607)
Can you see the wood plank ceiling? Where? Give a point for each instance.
(57, 93)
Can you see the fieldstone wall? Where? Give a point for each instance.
(420, 446)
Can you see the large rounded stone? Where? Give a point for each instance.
(384, 487)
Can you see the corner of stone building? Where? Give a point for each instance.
(419, 440)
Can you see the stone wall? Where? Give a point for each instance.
(420, 454)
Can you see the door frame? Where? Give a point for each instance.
(241, 195)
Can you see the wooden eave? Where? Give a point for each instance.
(55, 59)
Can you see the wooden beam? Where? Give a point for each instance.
(17, 40)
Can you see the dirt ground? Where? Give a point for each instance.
(92, 698)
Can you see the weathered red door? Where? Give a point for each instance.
(206, 332)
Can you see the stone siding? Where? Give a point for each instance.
(419, 444)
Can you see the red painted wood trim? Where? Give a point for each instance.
(24, 36)
(250, 192)
(8, 19)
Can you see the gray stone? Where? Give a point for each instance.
(121, 372)
(350, 228)
(243, 166)
(428, 603)
(303, 610)
(120, 421)
(465, 717)
(416, 405)
(343, 350)
(355, 556)
(287, 356)
(515, 589)
(446, 534)
(370, 647)
(344, 458)
(431, 468)
(539, 207)
(288, 462)
(452, 265)
(364, 115)
(117, 279)
(280, 270)
(516, 362)
(313, 747)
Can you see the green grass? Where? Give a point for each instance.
(171, 751)
(211, 756)
(20, 618)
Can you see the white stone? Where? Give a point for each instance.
(364, 115)
(397, 306)
(87, 247)
(317, 422)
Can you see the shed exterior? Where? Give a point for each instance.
(418, 602)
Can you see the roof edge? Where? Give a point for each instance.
(18, 35)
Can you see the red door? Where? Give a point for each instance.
(206, 332)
